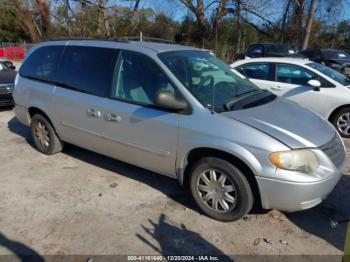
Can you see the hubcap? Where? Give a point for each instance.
(343, 123)
(42, 134)
(217, 191)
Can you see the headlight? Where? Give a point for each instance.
(335, 65)
(303, 160)
(8, 87)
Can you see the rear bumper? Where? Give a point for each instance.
(292, 196)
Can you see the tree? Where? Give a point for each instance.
(310, 18)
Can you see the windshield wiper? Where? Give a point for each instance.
(229, 104)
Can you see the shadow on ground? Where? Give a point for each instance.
(316, 221)
(174, 240)
(21, 251)
(166, 185)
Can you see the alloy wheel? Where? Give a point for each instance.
(42, 134)
(217, 191)
(343, 123)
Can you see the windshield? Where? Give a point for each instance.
(207, 77)
(281, 49)
(336, 76)
(335, 54)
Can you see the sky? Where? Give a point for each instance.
(177, 11)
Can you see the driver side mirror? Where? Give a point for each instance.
(167, 100)
(315, 84)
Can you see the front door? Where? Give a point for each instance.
(291, 82)
(137, 131)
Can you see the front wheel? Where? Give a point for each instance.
(220, 189)
(341, 121)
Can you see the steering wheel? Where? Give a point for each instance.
(205, 80)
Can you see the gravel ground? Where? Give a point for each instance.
(78, 202)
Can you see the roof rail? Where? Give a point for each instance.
(144, 39)
(70, 38)
(124, 39)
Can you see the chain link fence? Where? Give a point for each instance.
(14, 51)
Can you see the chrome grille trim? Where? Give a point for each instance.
(335, 150)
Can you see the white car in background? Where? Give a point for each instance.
(312, 85)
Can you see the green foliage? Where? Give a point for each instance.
(10, 29)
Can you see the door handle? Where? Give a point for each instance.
(93, 113)
(276, 88)
(112, 117)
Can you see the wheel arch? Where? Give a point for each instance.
(336, 110)
(196, 154)
(36, 110)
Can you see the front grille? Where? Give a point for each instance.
(334, 149)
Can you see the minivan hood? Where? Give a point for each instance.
(289, 123)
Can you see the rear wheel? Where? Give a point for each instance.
(220, 189)
(341, 121)
(44, 136)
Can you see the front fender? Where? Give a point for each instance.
(234, 149)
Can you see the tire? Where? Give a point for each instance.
(242, 193)
(44, 136)
(341, 121)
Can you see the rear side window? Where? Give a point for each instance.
(258, 71)
(42, 63)
(88, 69)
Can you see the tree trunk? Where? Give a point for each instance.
(297, 22)
(282, 35)
(238, 22)
(309, 23)
(103, 23)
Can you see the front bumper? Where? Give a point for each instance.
(6, 100)
(293, 196)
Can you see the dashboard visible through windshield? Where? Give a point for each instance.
(211, 81)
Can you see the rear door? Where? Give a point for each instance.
(83, 83)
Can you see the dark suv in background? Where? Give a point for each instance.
(333, 58)
(7, 81)
(269, 50)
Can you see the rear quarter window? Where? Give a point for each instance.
(42, 63)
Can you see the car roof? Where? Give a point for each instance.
(297, 61)
(268, 43)
(155, 47)
(331, 49)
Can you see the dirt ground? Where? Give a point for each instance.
(78, 202)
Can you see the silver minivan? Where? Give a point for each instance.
(181, 112)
